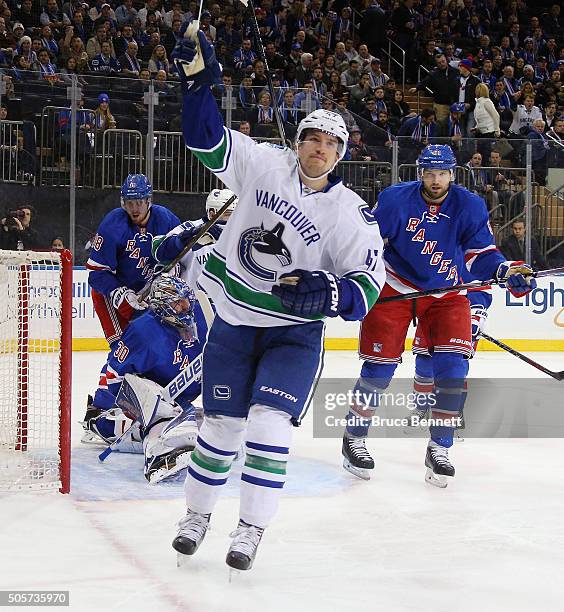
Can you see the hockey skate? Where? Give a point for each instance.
(356, 459)
(243, 549)
(91, 434)
(191, 532)
(438, 465)
(164, 467)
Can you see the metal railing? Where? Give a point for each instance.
(121, 154)
(393, 47)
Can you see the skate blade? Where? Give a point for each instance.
(362, 473)
(164, 474)
(182, 560)
(437, 480)
(92, 439)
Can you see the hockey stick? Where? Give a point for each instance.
(472, 285)
(511, 351)
(262, 56)
(203, 230)
(174, 388)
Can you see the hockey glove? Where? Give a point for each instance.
(516, 276)
(125, 301)
(313, 293)
(195, 60)
(478, 314)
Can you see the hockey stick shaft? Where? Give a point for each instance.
(262, 56)
(205, 227)
(531, 362)
(174, 388)
(462, 286)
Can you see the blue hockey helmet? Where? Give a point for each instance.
(436, 157)
(172, 301)
(136, 187)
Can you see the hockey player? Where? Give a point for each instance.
(121, 262)
(156, 346)
(167, 248)
(429, 224)
(299, 247)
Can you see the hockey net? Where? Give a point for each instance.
(35, 370)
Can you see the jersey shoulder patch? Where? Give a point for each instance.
(367, 214)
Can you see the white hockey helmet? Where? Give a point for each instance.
(217, 198)
(328, 122)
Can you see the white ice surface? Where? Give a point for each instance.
(492, 541)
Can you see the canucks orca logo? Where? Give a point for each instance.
(257, 245)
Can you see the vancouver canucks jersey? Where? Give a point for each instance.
(279, 225)
(425, 244)
(157, 351)
(121, 251)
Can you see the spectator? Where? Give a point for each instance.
(150, 6)
(94, 44)
(399, 109)
(406, 23)
(274, 59)
(103, 118)
(467, 94)
(306, 99)
(416, 134)
(69, 70)
(370, 112)
(358, 93)
(105, 63)
(288, 109)
(426, 57)
(159, 60)
(377, 77)
(53, 16)
(479, 182)
(549, 115)
(351, 77)
(245, 128)
(77, 51)
(16, 232)
(342, 62)
(539, 153)
(452, 128)
(244, 56)
(514, 247)
(247, 96)
(524, 117)
(500, 178)
(26, 51)
(126, 12)
(130, 66)
(258, 76)
(443, 83)
(57, 244)
(21, 70)
(305, 69)
(45, 69)
(487, 120)
(348, 118)
(26, 15)
(318, 85)
(365, 57)
(334, 86)
(262, 117)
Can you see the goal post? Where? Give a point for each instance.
(35, 370)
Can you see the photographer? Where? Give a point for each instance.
(16, 233)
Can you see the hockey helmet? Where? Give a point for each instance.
(327, 122)
(436, 157)
(172, 301)
(136, 187)
(217, 198)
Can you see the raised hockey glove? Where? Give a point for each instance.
(195, 60)
(516, 276)
(306, 293)
(125, 301)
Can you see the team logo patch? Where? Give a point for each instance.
(222, 392)
(258, 247)
(377, 347)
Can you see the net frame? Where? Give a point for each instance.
(28, 459)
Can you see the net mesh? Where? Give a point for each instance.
(30, 370)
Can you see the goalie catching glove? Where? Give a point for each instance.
(306, 293)
(195, 59)
(517, 277)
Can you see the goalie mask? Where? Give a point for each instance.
(216, 199)
(173, 302)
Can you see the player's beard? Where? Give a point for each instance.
(434, 197)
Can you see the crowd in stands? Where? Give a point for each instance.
(492, 67)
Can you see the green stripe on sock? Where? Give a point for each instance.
(265, 465)
(210, 463)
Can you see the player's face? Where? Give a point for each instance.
(436, 182)
(318, 153)
(137, 209)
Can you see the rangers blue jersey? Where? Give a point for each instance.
(424, 244)
(121, 251)
(157, 351)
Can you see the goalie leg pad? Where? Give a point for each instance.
(167, 446)
(269, 433)
(142, 400)
(219, 440)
